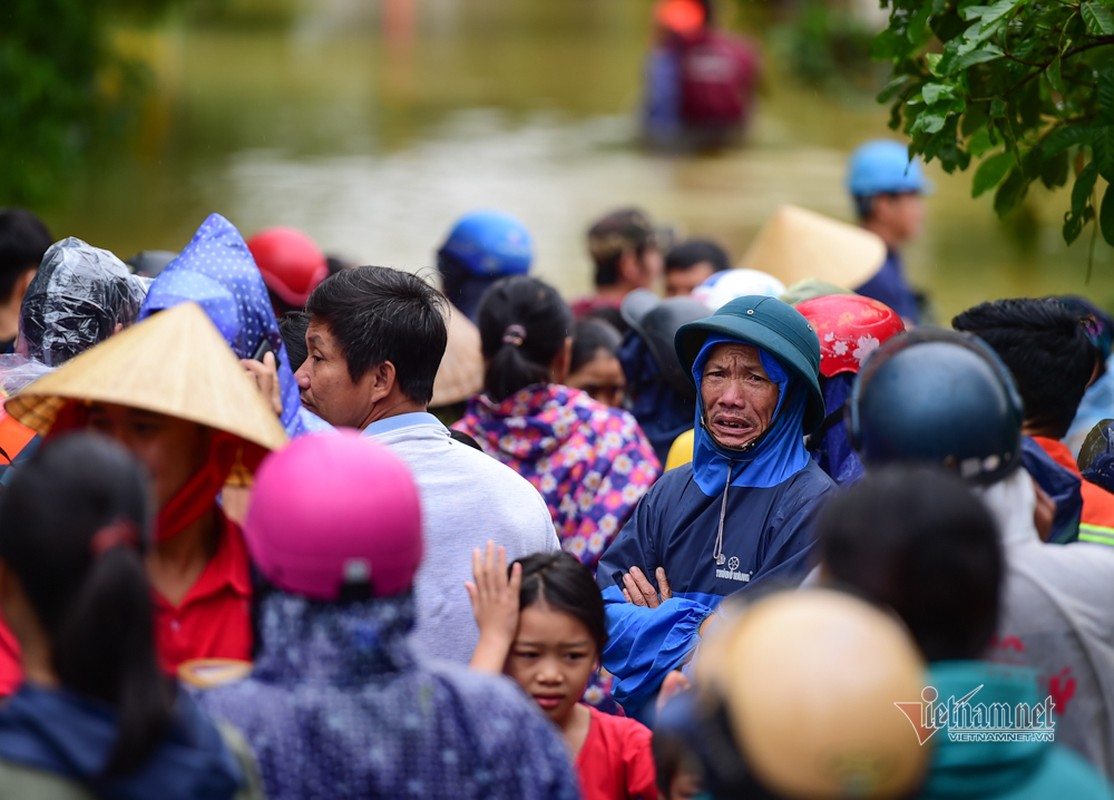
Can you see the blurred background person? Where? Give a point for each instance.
(594, 366)
(627, 255)
(888, 188)
(481, 248)
(24, 239)
(291, 265)
(690, 263)
(590, 462)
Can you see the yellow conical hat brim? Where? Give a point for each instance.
(796, 244)
(174, 363)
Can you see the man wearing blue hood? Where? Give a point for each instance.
(741, 514)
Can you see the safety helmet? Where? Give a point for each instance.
(939, 397)
(850, 327)
(490, 244)
(720, 288)
(335, 510)
(657, 321)
(795, 698)
(883, 166)
(291, 264)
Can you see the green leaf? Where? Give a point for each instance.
(1081, 210)
(1099, 22)
(929, 122)
(1084, 185)
(991, 171)
(1010, 192)
(1102, 145)
(1063, 137)
(934, 92)
(1054, 170)
(1055, 77)
(1106, 215)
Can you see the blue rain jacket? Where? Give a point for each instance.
(73, 736)
(216, 271)
(338, 706)
(766, 513)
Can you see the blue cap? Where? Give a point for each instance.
(884, 167)
(490, 244)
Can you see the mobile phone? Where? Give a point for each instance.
(263, 349)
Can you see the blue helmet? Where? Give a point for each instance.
(939, 397)
(489, 244)
(883, 166)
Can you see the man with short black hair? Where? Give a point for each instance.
(24, 240)
(690, 263)
(627, 256)
(375, 340)
(1046, 348)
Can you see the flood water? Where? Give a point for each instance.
(372, 126)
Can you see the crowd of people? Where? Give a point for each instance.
(275, 525)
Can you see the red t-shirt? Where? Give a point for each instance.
(214, 618)
(616, 762)
(1098, 504)
(11, 670)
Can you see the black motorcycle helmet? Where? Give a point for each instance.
(940, 397)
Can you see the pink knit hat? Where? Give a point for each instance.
(332, 510)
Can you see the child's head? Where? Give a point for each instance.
(561, 632)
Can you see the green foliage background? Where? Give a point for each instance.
(66, 89)
(1022, 88)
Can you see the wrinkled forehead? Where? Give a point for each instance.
(733, 351)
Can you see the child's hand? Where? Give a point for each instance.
(495, 598)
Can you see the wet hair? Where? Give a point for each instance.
(523, 325)
(24, 239)
(1046, 347)
(562, 583)
(589, 336)
(73, 528)
(381, 314)
(292, 326)
(918, 540)
(689, 253)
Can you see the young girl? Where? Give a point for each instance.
(543, 626)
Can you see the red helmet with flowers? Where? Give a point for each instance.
(850, 327)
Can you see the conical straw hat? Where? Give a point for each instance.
(810, 679)
(175, 363)
(461, 373)
(796, 244)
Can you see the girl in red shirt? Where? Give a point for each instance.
(542, 624)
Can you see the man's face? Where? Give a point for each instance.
(902, 214)
(326, 387)
(173, 450)
(739, 397)
(681, 282)
(651, 264)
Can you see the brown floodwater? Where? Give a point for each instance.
(373, 130)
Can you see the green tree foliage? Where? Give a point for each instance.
(64, 88)
(1025, 88)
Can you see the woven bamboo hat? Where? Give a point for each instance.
(461, 373)
(795, 244)
(175, 363)
(810, 680)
